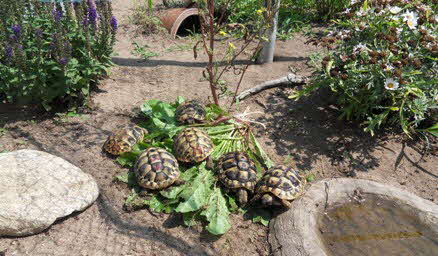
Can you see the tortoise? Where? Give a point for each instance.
(190, 112)
(279, 186)
(237, 172)
(122, 140)
(155, 168)
(192, 145)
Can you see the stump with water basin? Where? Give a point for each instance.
(354, 217)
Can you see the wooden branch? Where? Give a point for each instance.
(286, 80)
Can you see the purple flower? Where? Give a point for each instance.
(113, 23)
(8, 52)
(63, 61)
(92, 15)
(13, 38)
(17, 30)
(58, 15)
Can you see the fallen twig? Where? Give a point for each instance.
(286, 80)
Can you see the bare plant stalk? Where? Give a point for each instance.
(211, 72)
(208, 31)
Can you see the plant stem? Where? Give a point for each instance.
(211, 72)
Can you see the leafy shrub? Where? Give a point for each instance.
(51, 52)
(383, 64)
(293, 14)
(326, 9)
(143, 18)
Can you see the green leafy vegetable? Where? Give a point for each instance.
(217, 213)
(196, 195)
(262, 216)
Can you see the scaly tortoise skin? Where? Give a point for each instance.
(237, 172)
(279, 186)
(192, 145)
(156, 168)
(122, 140)
(190, 112)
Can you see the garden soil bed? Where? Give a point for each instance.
(306, 134)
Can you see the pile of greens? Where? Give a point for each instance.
(200, 199)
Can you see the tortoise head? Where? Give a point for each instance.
(242, 195)
(267, 199)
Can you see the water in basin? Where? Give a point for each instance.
(375, 227)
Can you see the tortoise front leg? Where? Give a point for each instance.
(209, 163)
(286, 203)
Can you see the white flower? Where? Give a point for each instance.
(362, 12)
(411, 19)
(391, 84)
(347, 10)
(389, 68)
(395, 18)
(394, 9)
(360, 47)
(353, 2)
(436, 98)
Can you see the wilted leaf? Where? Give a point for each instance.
(310, 177)
(189, 218)
(232, 204)
(260, 215)
(179, 101)
(128, 178)
(173, 192)
(217, 213)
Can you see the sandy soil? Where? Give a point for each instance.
(306, 134)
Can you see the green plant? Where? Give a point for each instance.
(3, 131)
(200, 199)
(143, 51)
(52, 54)
(143, 17)
(326, 9)
(383, 65)
(294, 15)
(65, 117)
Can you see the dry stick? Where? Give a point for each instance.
(211, 54)
(289, 79)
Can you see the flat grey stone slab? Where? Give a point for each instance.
(37, 188)
(296, 232)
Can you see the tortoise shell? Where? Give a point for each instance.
(190, 112)
(156, 168)
(192, 145)
(282, 182)
(237, 170)
(122, 140)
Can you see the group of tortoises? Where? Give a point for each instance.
(156, 169)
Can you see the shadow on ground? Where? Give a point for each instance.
(136, 62)
(310, 128)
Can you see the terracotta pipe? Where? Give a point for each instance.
(172, 18)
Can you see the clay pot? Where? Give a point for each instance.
(172, 18)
